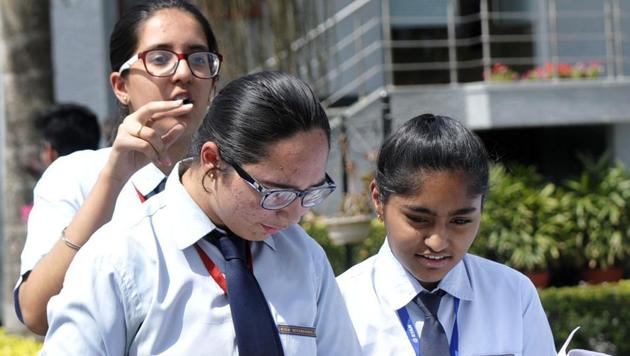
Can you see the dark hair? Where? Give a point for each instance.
(426, 144)
(257, 110)
(123, 41)
(69, 128)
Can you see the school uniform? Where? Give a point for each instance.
(488, 308)
(61, 191)
(141, 288)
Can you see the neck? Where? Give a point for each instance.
(194, 180)
(429, 286)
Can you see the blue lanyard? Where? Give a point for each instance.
(413, 336)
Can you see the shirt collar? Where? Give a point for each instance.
(457, 282)
(147, 178)
(398, 287)
(189, 220)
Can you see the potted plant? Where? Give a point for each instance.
(352, 225)
(520, 221)
(600, 219)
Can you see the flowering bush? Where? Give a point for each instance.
(580, 70)
(501, 73)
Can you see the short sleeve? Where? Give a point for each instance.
(537, 336)
(335, 332)
(57, 197)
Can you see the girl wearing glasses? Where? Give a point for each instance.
(165, 64)
(426, 295)
(157, 282)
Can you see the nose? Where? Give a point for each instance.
(182, 72)
(292, 213)
(437, 240)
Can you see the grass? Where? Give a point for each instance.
(11, 345)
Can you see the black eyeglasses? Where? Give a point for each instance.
(274, 199)
(163, 63)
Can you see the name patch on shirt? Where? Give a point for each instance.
(296, 330)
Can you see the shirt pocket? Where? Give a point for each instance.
(298, 340)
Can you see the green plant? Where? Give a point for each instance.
(521, 220)
(601, 311)
(337, 254)
(600, 216)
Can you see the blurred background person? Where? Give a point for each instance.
(64, 128)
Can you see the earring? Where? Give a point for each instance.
(125, 100)
(379, 216)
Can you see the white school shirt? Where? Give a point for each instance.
(499, 312)
(142, 289)
(61, 191)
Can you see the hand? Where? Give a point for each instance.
(138, 142)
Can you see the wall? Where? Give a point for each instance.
(81, 32)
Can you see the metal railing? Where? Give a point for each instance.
(364, 53)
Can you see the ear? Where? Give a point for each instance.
(119, 86)
(374, 195)
(209, 156)
(48, 154)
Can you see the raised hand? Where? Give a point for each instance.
(145, 136)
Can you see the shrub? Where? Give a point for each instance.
(521, 220)
(11, 345)
(601, 311)
(600, 217)
(337, 254)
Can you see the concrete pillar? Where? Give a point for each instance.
(620, 143)
(80, 51)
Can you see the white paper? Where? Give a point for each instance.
(563, 350)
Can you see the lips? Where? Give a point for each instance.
(183, 96)
(433, 261)
(270, 230)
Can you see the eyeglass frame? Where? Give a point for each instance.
(141, 55)
(265, 192)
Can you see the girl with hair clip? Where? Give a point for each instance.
(165, 64)
(423, 294)
(217, 264)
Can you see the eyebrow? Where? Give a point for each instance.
(268, 184)
(190, 48)
(423, 210)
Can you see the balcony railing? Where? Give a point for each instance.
(369, 49)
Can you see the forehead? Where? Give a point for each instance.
(298, 161)
(441, 191)
(172, 28)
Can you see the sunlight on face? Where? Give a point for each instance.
(430, 231)
(298, 162)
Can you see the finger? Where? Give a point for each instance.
(137, 146)
(139, 133)
(173, 134)
(178, 111)
(156, 110)
(156, 143)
